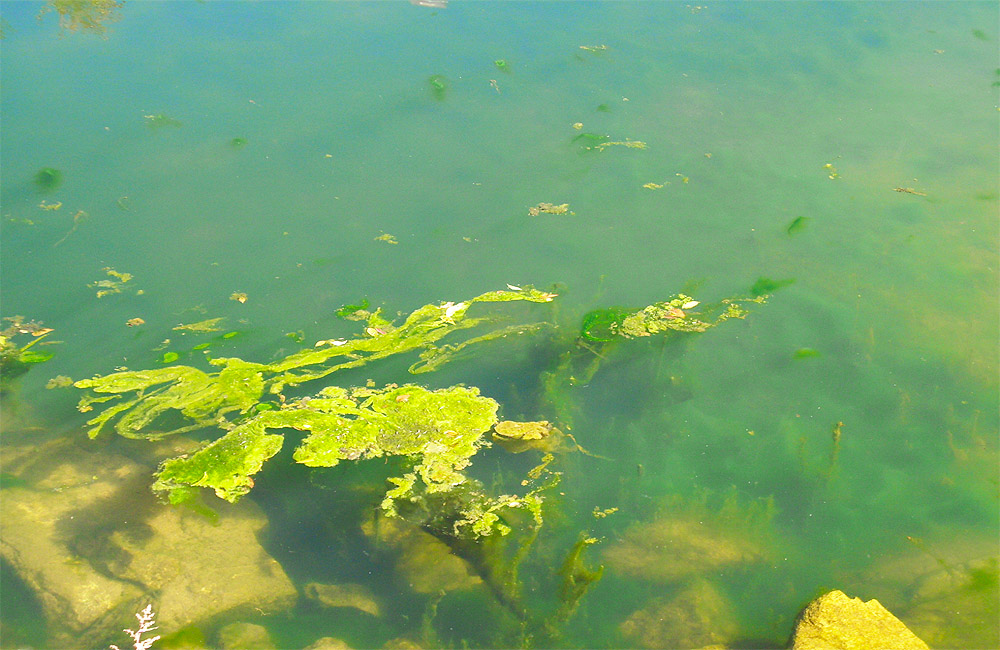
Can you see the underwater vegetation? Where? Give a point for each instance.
(160, 121)
(86, 15)
(48, 179)
(764, 286)
(797, 225)
(438, 86)
(17, 359)
(427, 437)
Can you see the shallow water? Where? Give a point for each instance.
(754, 114)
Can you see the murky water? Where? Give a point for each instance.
(839, 156)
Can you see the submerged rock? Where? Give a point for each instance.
(835, 621)
(696, 617)
(948, 587)
(677, 547)
(85, 534)
(328, 643)
(245, 636)
(357, 596)
(423, 560)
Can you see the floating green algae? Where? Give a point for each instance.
(15, 358)
(161, 120)
(202, 397)
(438, 86)
(351, 312)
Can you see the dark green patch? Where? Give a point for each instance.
(797, 225)
(48, 179)
(805, 353)
(764, 286)
(980, 34)
(984, 578)
(348, 310)
(601, 324)
(238, 143)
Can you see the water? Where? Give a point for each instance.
(753, 115)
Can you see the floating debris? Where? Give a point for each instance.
(797, 225)
(831, 171)
(50, 206)
(135, 322)
(159, 121)
(238, 296)
(578, 125)
(108, 287)
(631, 144)
(594, 48)
(653, 186)
(502, 65)
(438, 85)
(908, 190)
(59, 381)
(78, 218)
(549, 208)
(208, 325)
(387, 238)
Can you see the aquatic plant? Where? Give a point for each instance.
(15, 359)
(429, 435)
(438, 86)
(161, 120)
(764, 286)
(87, 15)
(602, 330)
(209, 399)
(797, 225)
(147, 623)
(48, 179)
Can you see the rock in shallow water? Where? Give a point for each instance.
(835, 621)
(85, 533)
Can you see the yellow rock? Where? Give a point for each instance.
(834, 621)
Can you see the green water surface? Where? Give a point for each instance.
(840, 156)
